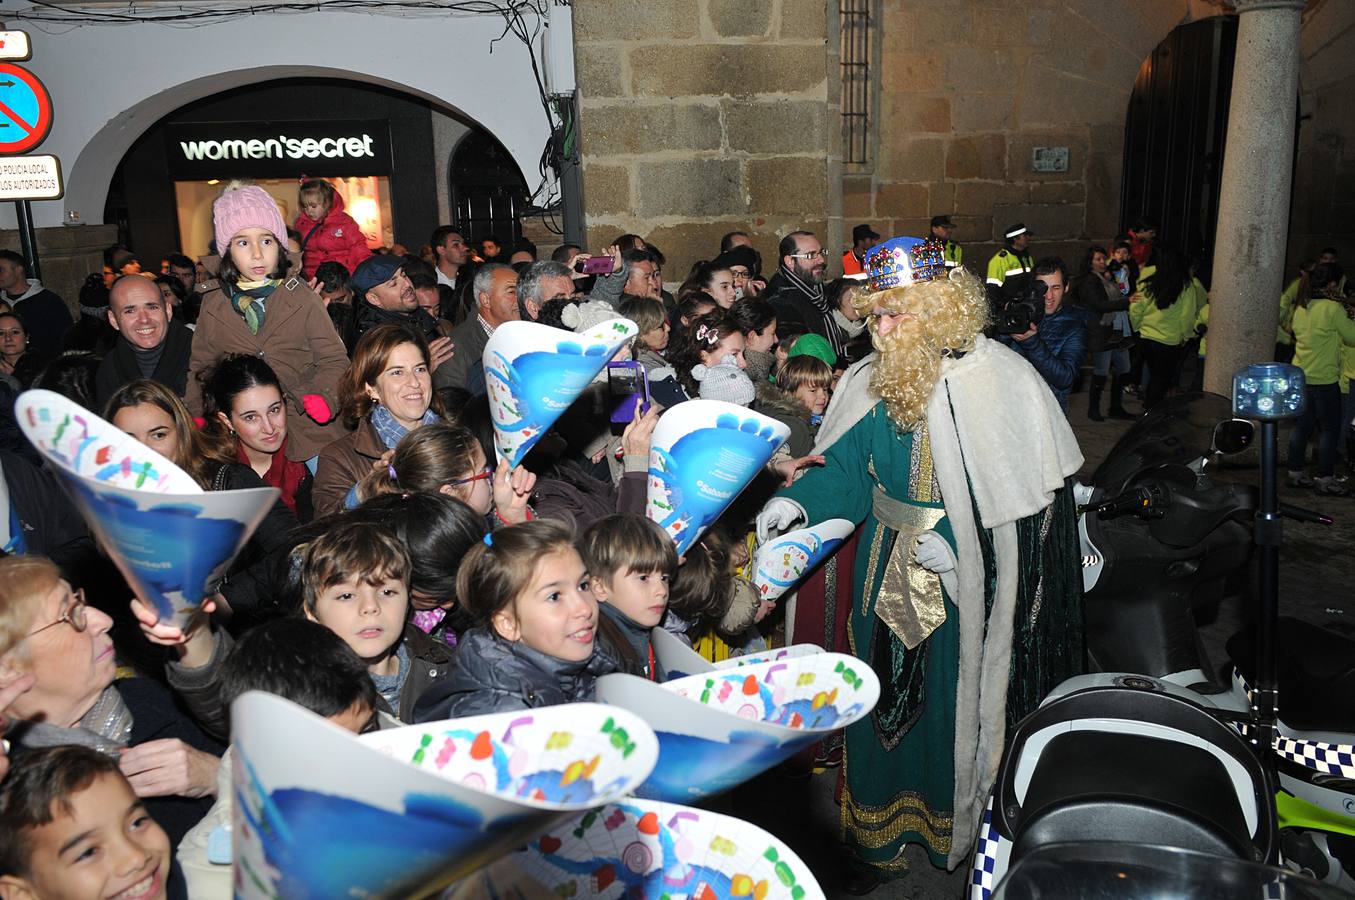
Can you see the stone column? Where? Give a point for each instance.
(1249, 243)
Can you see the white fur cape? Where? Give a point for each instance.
(993, 425)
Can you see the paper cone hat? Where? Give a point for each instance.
(719, 729)
(533, 372)
(704, 452)
(782, 562)
(679, 660)
(646, 848)
(322, 813)
(168, 537)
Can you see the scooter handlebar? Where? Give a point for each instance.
(1304, 515)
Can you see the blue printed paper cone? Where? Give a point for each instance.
(719, 729)
(679, 660)
(168, 537)
(782, 562)
(704, 452)
(322, 813)
(533, 372)
(646, 848)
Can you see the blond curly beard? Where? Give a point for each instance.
(948, 314)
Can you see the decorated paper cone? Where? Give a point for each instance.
(646, 848)
(782, 562)
(533, 372)
(168, 537)
(322, 813)
(703, 453)
(721, 728)
(679, 660)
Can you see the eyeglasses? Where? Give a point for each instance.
(487, 473)
(74, 615)
(808, 254)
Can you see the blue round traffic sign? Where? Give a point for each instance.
(25, 110)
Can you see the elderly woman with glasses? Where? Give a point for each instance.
(60, 648)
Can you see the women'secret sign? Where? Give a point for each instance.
(275, 149)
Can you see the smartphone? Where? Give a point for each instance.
(595, 265)
(626, 380)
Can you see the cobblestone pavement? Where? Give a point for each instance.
(1316, 567)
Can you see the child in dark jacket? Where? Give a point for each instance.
(630, 562)
(328, 234)
(536, 623)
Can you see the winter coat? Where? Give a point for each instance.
(569, 494)
(1101, 299)
(1056, 349)
(466, 369)
(795, 311)
(338, 239)
(51, 525)
(664, 387)
(343, 464)
(297, 340)
(490, 674)
(45, 316)
(247, 579)
(771, 401)
(120, 366)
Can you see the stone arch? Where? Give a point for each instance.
(446, 61)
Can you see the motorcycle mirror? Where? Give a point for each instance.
(1233, 436)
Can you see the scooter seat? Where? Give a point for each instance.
(1315, 669)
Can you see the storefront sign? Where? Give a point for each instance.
(278, 149)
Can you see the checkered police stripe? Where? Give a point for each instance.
(1320, 756)
(985, 857)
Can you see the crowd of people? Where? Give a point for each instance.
(404, 576)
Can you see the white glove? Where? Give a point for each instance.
(931, 552)
(778, 515)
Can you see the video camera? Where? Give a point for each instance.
(1017, 304)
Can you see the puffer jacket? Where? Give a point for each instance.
(1056, 349)
(338, 239)
(490, 674)
(1101, 299)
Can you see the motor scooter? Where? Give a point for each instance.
(1161, 538)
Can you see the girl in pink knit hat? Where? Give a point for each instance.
(258, 307)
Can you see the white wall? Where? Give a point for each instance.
(109, 83)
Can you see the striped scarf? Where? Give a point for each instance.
(247, 297)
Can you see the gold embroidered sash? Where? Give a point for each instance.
(910, 601)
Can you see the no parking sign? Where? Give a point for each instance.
(25, 110)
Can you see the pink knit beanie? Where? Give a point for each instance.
(244, 207)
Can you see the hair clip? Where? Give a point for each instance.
(391, 469)
(489, 539)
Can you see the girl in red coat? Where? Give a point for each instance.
(327, 232)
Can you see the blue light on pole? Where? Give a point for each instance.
(1268, 392)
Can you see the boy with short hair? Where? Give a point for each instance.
(630, 562)
(72, 828)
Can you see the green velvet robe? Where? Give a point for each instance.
(899, 764)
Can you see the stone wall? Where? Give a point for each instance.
(700, 117)
(970, 87)
(67, 255)
(1323, 212)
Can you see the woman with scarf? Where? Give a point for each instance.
(67, 655)
(386, 393)
(247, 418)
(256, 307)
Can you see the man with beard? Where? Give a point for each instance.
(382, 294)
(954, 454)
(796, 290)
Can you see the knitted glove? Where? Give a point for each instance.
(317, 407)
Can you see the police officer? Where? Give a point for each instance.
(942, 227)
(1011, 259)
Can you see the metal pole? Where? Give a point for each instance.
(28, 244)
(1269, 533)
